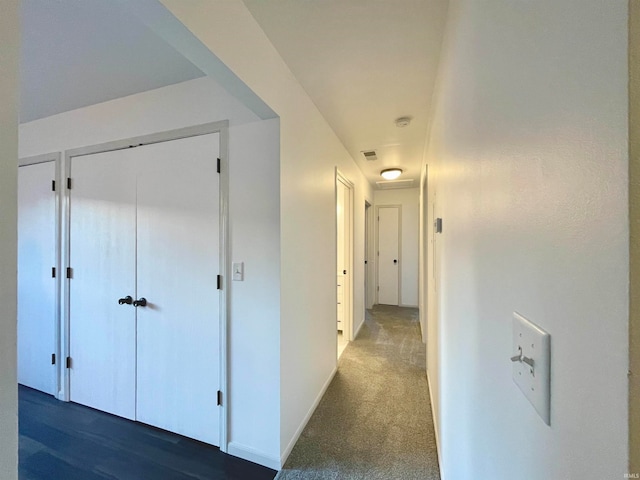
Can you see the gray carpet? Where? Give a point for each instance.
(374, 422)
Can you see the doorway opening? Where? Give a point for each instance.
(369, 279)
(344, 261)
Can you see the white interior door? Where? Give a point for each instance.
(178, 262)
(388, 258)
(102, 336)
(341, 252)
(36, 286)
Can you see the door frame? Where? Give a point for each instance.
(222, 128)
(55, 157)
(423, 255)
(370, 265)
(399, 207)
(348, 294)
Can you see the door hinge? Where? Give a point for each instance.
(69, 183)
(218, 165)
(53, 272)
(219, 282)
(219, 398)
(53, 359)
(53, 185)
(378, 288)
(69, 272)
(68, 362)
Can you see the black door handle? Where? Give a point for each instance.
(141, 302)
(128, 300)
(395, 261)
(344, 272)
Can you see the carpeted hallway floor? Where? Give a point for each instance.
(374, 421)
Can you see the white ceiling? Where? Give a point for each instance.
(81, 52)
(364, 63)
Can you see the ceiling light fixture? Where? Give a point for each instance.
(391, 173)
(402, 122)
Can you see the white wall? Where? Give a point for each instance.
(409, 199)
(634, 226)
(255, 307)
(529, 146)
(254, 206)
(309, 152)
(10, 41)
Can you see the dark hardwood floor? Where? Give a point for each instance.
(67, 441)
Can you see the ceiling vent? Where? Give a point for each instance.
(370, 155)
(382, 185)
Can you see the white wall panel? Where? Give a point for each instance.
(529, 142)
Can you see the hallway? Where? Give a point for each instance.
(374, 421)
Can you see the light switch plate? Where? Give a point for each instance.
(237, 271)
(532, 343)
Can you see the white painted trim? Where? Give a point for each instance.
(44, 158)
(247, 453)
(435, 428)
(222, 128)
(225, 270)
(307, 417)
(370, 266)
(57, 158)
(340, 177)
(357, 332)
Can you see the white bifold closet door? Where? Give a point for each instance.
(36, 286)
(169, 374)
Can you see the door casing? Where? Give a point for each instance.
(348, 291)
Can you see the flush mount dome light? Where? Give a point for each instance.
(391, 173)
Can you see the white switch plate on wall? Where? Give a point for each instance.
(237, 269)
(530, 342)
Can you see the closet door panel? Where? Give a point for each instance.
(103, 258)
(178, 249)
(36, 287)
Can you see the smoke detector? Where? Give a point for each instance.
(402, 122)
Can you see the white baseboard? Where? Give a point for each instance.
(305, 420)
(355, 334)
(435, 428)
(253, 455)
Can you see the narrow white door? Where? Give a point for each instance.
(102, 338)
(388, 259)
(178, 250)
(36, 286)
(340, 249)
